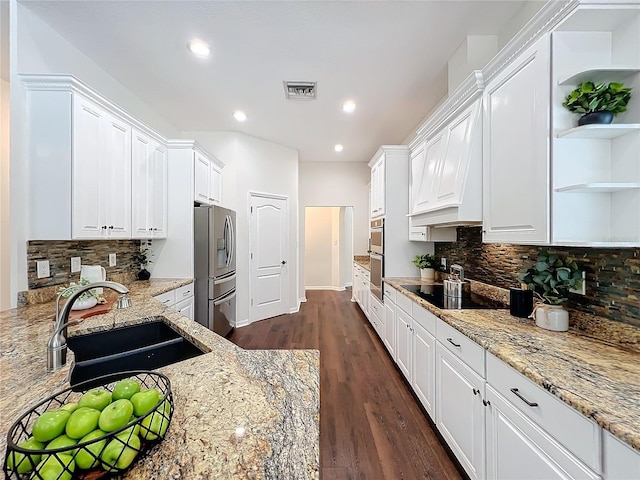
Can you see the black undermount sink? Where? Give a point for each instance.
(138, 347)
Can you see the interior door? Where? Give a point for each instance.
(269, 256)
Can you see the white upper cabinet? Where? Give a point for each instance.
(378, 186)
(516, 150)
(149, 187)
(446, 162)
(101, 173)
(207, 179)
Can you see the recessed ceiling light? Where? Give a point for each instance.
(199, 48)
(239, 115)
(338, 148)
(349, 106)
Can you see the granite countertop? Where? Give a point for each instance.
(363, 261)
(238, 413)
(599, 380)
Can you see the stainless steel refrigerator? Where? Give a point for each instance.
(215, 268)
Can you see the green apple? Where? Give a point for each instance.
(145, 401)
(63, 441)
(50, 424)
(89, 457)
(132, 430)
(97, 398)
(116, 415)
(125, 389)
(82, 421)
(156, 424)
(69, 407)
(120, 452)
(55, 467)
(23, 463)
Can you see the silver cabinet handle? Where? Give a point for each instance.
(452, 343)
(516, 392)
(187, 293)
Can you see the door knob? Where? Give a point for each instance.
(284, 262)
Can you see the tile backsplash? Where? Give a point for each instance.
(91, 252)
(613, 275)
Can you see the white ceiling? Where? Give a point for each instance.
(388, 56)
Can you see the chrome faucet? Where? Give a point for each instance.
(57, 344)
(457, 271)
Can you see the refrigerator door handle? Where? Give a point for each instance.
(225, 298)
(225, 279)
(232, 241)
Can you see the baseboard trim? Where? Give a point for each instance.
(242, 323)
(335, 289)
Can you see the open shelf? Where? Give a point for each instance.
(600, 131)
(598, 74)
(598, 187)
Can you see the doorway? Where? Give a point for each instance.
(328, 251)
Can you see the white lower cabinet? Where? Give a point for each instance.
(460, 410)
(376, 314)
(404, 355)
(180, 299)
(621, 462)
(185, 307)
(424, 367)
(390, 327)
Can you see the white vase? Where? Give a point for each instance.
(552, 317)
(428, 274)
(83, 304)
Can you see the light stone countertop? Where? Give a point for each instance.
(273, 395)
(600, 380)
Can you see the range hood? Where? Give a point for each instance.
(446, 161)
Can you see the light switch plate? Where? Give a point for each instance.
(112, 259)
(443, 262)
(76, 264)
(42, 268)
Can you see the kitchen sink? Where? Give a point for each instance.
(139, 347)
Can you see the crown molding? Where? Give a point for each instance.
(69, 83)
(186, 144)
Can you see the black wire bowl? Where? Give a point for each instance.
(63, 459)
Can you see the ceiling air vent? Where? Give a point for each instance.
(300, 90)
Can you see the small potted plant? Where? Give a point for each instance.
(428, 264)
(142, 257)
(598, 103)
(86, 300)
(551, 278)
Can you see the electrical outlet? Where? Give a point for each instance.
(112, 259)
(76, 264)
(583, 288)
(42, 267)
(443, 262)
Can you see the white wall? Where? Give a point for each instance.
(36, 48)
(318, 250)
(254, 165)
(337, 184)
(5, 238)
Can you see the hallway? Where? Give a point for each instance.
(371, 427)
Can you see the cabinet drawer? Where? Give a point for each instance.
(376, 307)
(620, 460)
(389, 293)
(168, 298)
(462, 347)
(184, 292)
(404, 302)
(425, 318)
(577, 433)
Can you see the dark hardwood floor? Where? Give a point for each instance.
(371, 426)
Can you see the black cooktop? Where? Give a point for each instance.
(434, 294)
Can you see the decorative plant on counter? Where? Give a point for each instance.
(143, 258)
(86, 299)
(428, 264)
(551, 277)
(598, 103)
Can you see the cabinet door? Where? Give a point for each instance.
(141, 153)
(460, 411)
(517, 449)
(116, 171)
(375, 172)
(88, 185)
(158, 197)
(404, 343)
(390, 328)
(185, 307)
(432, 155)
(366, 299)
(424, 370)
(201, 180)
(215, 185)
(381, 186)
(516, 150)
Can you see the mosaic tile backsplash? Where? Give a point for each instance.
(613, 275)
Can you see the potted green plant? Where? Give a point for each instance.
(598, 103)
(142, 257)
(551, 278)
(86, 300)
(428, 264)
